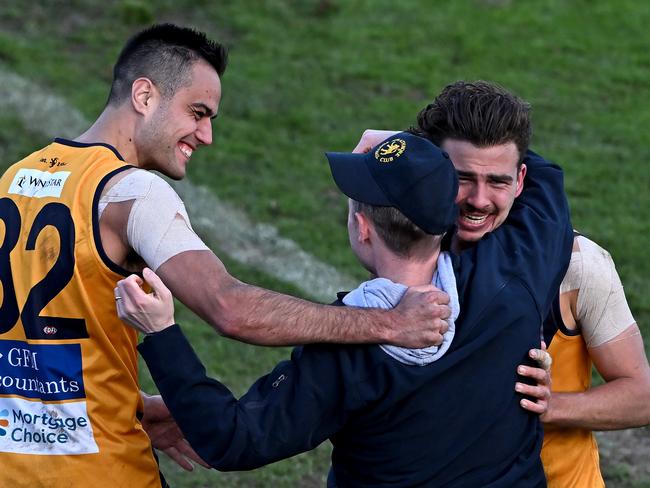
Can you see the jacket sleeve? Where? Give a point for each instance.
(541, 224)
(291, 410)
(533, 245)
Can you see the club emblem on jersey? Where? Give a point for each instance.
(52, 162)
(389, 151)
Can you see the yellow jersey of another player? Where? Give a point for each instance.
(69, 392)
(570, 455)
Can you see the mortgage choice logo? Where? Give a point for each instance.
(35, 428)
(43, 403)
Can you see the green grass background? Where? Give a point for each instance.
(309, 76)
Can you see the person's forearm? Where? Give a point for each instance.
(259, 316)
(219, 437)
(620, 404)
(263, 426)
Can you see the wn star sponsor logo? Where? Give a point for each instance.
(33, 183)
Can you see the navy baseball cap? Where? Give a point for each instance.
(407, 172)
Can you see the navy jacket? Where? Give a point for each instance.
(455, 423)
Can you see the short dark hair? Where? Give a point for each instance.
(164, 53)
(397, 231)
(481, 112)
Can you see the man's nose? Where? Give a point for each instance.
(478, 197)
(204, 131)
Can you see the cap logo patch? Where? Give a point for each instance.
(389, 151)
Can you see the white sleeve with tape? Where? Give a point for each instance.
(158, 227)
(602, 310)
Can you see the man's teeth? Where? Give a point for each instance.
(475, 219)
(186, 151)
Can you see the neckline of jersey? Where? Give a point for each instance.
(68, 142)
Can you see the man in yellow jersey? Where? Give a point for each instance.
(590, 321)
(78, 215)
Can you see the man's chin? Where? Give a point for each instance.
(175, 174)
(177, 171)
(468, 237)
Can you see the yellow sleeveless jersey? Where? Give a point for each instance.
(569, 455)
(69, 392)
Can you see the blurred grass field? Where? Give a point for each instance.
(309, 76)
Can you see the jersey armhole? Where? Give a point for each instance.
(116, 268)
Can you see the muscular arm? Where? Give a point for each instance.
(622, 402)
(593, 299)
(259, 316)
(251, 314)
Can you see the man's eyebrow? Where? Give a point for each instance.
(500, 178)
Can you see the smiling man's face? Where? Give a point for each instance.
(489, 181)
(178, 126)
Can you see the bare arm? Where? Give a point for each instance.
(622, 402)
(259, 316)
(252, 314)
(597, 305)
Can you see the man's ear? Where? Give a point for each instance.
(143, 95)
(521, 174)
(363, 226)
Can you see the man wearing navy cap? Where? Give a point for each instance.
(487, 131)
(391, 413)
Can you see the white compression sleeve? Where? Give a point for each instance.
(158, 227)
(602, 310)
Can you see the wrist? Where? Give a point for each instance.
(159, 330)
(387, 331)
(554, 413)
(155, 328)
